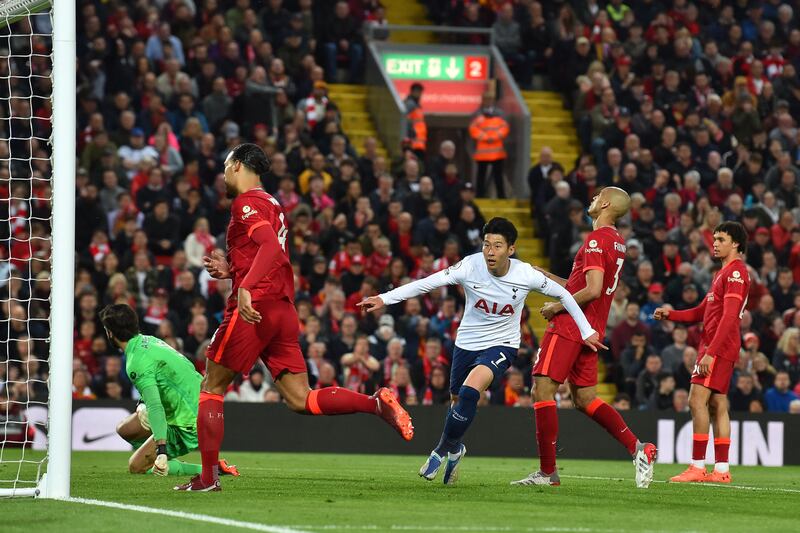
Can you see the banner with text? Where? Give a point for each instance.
(768, 439)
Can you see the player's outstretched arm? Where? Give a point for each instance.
(549, 275)
(158, 424)
(695, 314)
(554, 290)
(449, 276)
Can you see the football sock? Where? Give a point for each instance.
(721, 447)
(442, 446)
(339, 401)
(458, 420)
(210, 430)
(546, 434)
(612, 421)
(179, 468)
(699, 444)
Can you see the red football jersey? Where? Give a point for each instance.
(732, 281)
(249, 211)
(603, 250)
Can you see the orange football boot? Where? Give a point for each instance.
(690, 475)
(718, 477)
(393, 413)
(227, 470)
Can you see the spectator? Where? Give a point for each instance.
(359, 366)
(672, 355)
(507, 36)
(437, 392)
(680, 401)
(254, 387)
(647, 381)
(779, 396)
(745, 393)
(787, 354)
(662, 398)
(622, 402)
(342, 37)
(623, 333)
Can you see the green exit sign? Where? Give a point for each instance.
(436, 67)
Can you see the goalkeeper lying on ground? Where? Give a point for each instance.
(165, 426)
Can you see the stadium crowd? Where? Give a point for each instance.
(687, 106)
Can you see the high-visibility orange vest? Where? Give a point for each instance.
(489, 133)
(417, 119)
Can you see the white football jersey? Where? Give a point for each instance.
(494, 304)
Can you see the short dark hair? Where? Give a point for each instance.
(501, 226)
(416, 87)
(736, 231)
(121, 321)
(251, 156)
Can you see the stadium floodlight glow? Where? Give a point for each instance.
(37, 65)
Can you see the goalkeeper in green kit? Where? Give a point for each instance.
(163, 427)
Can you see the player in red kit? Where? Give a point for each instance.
(563, 356)
(260, 320)
(721, 313)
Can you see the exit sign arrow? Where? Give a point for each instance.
(452, 69)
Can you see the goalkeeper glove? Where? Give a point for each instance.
(161, 466)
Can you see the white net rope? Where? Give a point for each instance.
(25, 242)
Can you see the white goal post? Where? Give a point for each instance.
(45, 475)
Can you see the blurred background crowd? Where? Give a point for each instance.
(688, 106)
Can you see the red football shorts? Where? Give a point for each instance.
(719, 376)
(237, 345)
(560, 358)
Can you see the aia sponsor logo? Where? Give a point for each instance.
(493, 308)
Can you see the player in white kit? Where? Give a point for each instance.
(489, 334)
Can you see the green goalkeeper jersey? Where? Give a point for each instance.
(167, 382)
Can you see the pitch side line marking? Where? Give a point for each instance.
(602, 478)
(206, 519)
(722, 485)
(492, 529)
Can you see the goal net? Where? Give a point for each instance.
(35, 254)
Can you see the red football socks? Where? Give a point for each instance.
(210, 430)
(339, 401)
(699, 444)
(721, 447)
(610, 419)
(546, 434)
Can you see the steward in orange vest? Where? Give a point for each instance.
(489, 129)
(417, 129)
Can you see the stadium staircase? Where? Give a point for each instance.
(356, 120)
(551, 126)
(410, 13)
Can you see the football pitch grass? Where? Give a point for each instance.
(290, 493)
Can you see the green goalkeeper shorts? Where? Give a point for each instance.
(180, 441)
